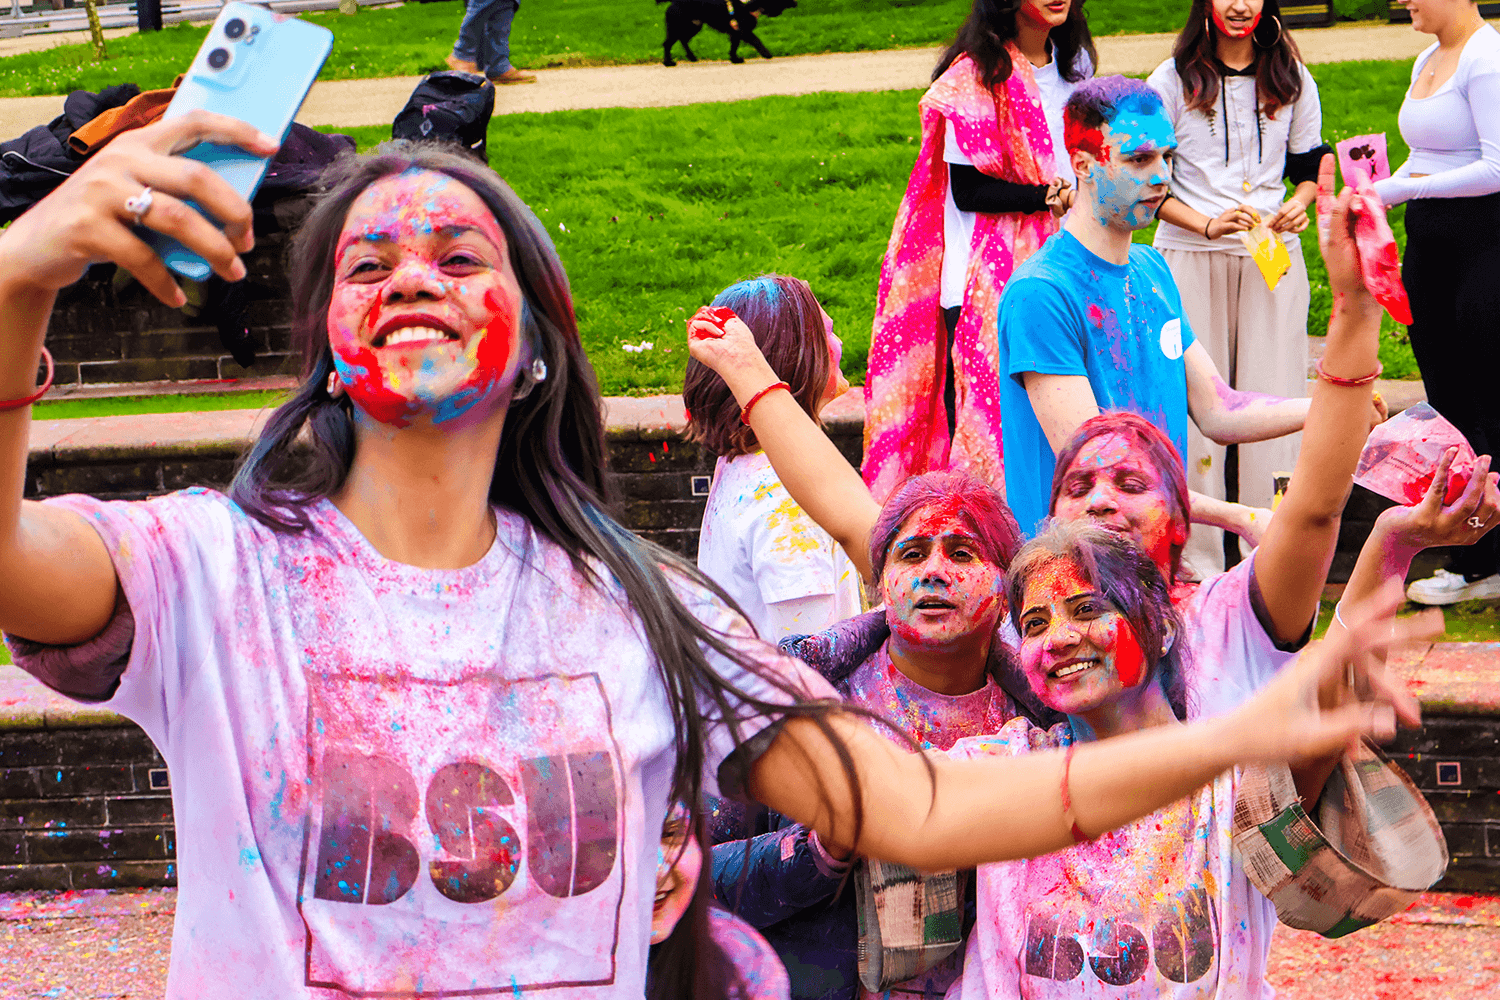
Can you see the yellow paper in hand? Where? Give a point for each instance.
(1269, 253)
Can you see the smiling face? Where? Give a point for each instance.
(1113, 482)
(938, 586)
(424, 316)
(1045, 13)
(1236, 18)
(1077, 650)
(679, 864)
(1128, 178)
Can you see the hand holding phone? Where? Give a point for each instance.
(257, 66)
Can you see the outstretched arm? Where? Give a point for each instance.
(57, 583)
(809, 465)
(962, 813)
(1401, 532)
(1234, 416)
(1291, 564)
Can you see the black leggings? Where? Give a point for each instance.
(950, 391)
(1452, 274)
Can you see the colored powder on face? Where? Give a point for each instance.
(1130, 663)
(1230, 32)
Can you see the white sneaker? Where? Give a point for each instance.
(1444, 588)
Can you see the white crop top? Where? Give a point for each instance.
(1454, 134)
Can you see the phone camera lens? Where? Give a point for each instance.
(218, 58)
(234, 28)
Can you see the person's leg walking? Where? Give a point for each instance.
(497, 37)
(467, 47)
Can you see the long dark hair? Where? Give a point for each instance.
(1125, 576)
(690, 963)
(992, 23)
(550, 466)
(784, 316)
(1278, 63)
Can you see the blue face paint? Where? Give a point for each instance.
(1119, 184)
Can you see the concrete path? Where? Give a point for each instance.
(348, 103)
(94, 944)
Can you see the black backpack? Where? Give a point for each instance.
(449, 106)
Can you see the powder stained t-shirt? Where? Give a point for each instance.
(1068, 311)
(397, 781)
(1156, 909)
(764, 549)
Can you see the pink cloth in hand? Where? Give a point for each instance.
(1379, 260)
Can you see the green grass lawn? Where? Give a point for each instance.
(118, 406)
(1468, 621)
(413, 39)
(655, 210)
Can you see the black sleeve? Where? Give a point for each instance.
(1300, 167)
(974, 191)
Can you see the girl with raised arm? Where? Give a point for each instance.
(785, 572)
(425, 704)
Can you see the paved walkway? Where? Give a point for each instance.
(92, 945)
(348, 103)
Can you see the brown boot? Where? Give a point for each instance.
(462, 65)
(513, 75)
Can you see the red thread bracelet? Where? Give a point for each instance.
(17, 404)
(1348, 383)
(1067, 799)
(745, 410)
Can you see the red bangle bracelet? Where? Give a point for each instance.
(1348, 383)
(1079, 837)
(745, 411)
(16, 404)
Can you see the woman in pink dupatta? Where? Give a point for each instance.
(1001, 108)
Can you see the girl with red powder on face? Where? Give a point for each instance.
(1158, 909)
(425, 703)
(1247, 119)
(990, 179)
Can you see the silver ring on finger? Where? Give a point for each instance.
(1476, 523)
(139, 205)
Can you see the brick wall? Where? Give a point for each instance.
(1455, 761)
(87, 808)
(107, 329)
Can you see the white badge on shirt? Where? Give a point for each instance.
(1171, 339)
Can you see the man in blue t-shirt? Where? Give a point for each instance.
(1093, 321)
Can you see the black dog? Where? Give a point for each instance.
(735, 18)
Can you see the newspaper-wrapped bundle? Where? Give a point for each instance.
(1376, 846)
(909, 921)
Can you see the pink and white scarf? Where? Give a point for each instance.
(906, 426)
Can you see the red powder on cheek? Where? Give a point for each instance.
(494, 353)
(1130, 663)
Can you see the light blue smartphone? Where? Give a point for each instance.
(257, 66)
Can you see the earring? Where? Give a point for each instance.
(538, 370)
(335, 386)
(1277, 40)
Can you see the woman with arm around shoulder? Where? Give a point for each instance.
(388, 667)
(1247, 118)
(1450, 184)
(990, 180)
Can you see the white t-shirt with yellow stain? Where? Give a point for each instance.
(788, 575)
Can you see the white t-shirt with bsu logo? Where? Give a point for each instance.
(395, 781)
(1156, 909)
